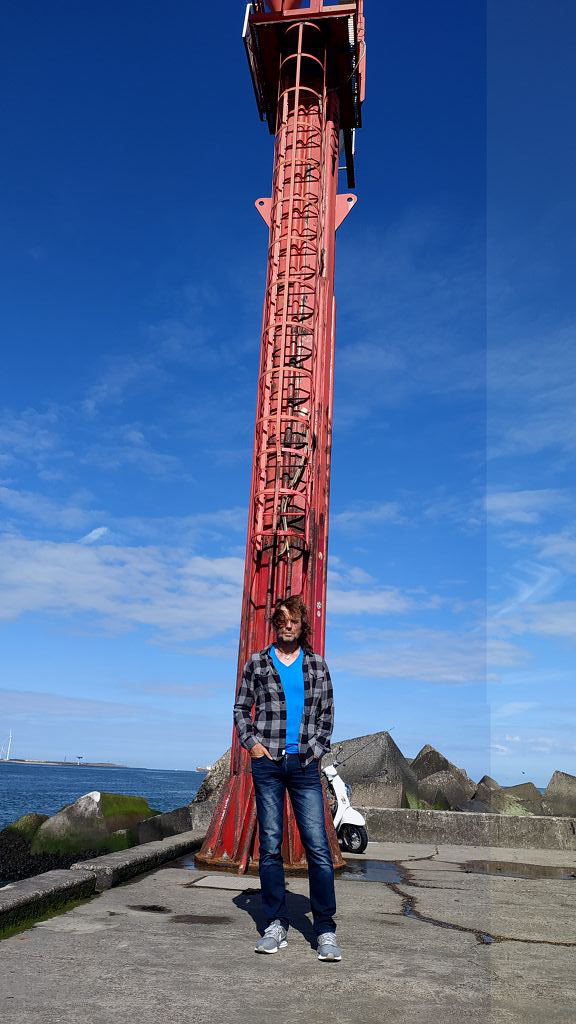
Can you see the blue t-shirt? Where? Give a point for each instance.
(292, 679)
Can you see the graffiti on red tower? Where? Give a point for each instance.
(307, 62)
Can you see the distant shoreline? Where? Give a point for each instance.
(65, 764)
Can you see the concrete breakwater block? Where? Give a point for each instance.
(452, 784)
(376, 769)
(429, 761)
(172, 823)
(485, 788)
(560, 795)
(381, 776)
(215, 780)
(527, 795)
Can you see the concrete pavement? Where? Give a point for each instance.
(434, 946)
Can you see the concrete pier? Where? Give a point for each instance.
(435, 943)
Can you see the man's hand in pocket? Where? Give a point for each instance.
(259, 750)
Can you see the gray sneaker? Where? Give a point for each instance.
(327, 948)
(274, 938)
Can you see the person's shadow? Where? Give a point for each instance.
(250, 901)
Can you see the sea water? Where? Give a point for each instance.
(47, 788)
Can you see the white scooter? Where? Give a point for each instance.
(349, 824)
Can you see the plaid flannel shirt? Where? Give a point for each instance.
(261, 687)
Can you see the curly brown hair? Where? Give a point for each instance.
(295, 606)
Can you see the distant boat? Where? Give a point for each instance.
(203, 768)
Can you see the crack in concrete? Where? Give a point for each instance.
(413, 860)
(409, 909)
(445, 888)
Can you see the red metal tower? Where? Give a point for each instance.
(306, 58)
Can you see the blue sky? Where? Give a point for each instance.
(133, 269)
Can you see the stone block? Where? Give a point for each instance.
(485, 788)
(454, 785)
(560, 795)
(216, 779)
(429, 761)
(526, 795)
(375, 769)
(162, 825)
(475, 806)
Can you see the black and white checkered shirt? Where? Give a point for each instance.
(261, 686)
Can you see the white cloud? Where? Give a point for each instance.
(230, 569)
(532, 388)
(469, 515)
(539, 581)
(39, 509)
(62, 440)
(503, 654)
(95, 535)
(357, 575)
(525, 506)
(341, 573)
(514, 708)
(535, 675)
(555, 619)
(126, 373)
(559, 547)
(365, 515)
(79, 512)
(416, 654)
(115, 448)
(28, 434)
(33, 703)
(199, 690)
(121, 588)
(367, 602)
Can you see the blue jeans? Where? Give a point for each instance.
(271, 780)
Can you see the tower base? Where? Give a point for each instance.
(232, 840)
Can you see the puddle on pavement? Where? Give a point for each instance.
(364, 870)
(187, 861)
(509, 869)
(372, 871)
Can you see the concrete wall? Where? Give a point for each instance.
(171, 823)
(459, 828)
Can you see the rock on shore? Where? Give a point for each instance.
(215, 780)
(96, 823)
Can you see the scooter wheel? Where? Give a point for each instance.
(354, 838)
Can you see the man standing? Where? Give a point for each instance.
(294, 717)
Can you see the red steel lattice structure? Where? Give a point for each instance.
(306, 60)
